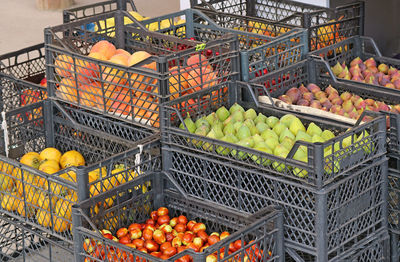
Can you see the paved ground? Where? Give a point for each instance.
(22, 24)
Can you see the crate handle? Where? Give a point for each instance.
(321, 61)
(371, 41)
(78, 209)
(176, 185)
(262, 212)
(367, 113)
(209, 6)
(253, 95)
(170, 108)
(5, 128)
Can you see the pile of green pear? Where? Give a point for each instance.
(267, 134)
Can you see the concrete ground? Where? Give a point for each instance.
(22, 24)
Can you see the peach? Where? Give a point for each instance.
(63, 65)
(146, 110)
(201, 78)
(116, 75)
(137, 57)
(104, 47)
(120, 101)
(178, 81)
(196, 59)
(120, 51)
(145, 83)
(67, 90)
(86, 71)
(91, 95)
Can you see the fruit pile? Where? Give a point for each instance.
(344, 104)
(110, 86)
(368, 72)
(164, 237)
(267, 134)
(29, 96)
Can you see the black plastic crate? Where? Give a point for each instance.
(333, 207)
(22, 242)
(21, 73)
(134, 206)
(114, 153)
(394, 246)
(262, 50)
(325, 26)
(394, 207)
(85, 11)
(132, 93)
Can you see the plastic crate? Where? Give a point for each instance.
(133, 93)
(394, 246)
(325, 211)
(114, 151)
(322, 31)
(20, 75)
(22, 242)
(264, 228)
(261, 49)
(307, 71)
(394, 207)
(90, 10)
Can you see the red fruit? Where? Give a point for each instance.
(124, 240)
(180, 249)
(131, 245)
(169, 237)
(182, 220)
(151, 227)
(170, 251)
(151, 245)
(176, 242)
(165, 257)
(134, 226)
(174, 232)
(153, 215)
(203, 235)
(109, 236)
(173, 222)
(150, 222)
(198, 242)
(180, 235)
(138, 243)
(232, 247)
(147, 234)
(89, 245)
(198, 227)
(122, 232)
(156, 254)
(193, 246)
(212, 239)
(187, 238)
(204, 247)
(159, 236)
(185, 258)
(238, 244)
(143, 249)
(190, 225)
(135, 234)
(180, 228)
(164, 219)
(211, 258)
(162, 211)
(166, 228)
(164, 246)
(224, 235)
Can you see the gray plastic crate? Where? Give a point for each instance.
(264, 227)
(119, 151)
(20, 75)
(325, 212)
(134, 93)
(262, 50)
(394, 207)
(20, 242)
(322, 31)
(90, 10)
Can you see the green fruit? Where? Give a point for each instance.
(346, 142)
(261, 127)
(369, 146)
(243, 132)
(201, 131)
(313, 129)
(300, 155)
(303, 136)
(250, 114)
(260, 160)
(237, 116)
(296, 125)
(249, 142)
(236, 107)
(222, 113)
(229, 129)
(218, 131)
(287, 119)
(278, 128)
(237, 125)
(227, 138)
(272, 121)
(241, 155)
(316, 138)
(287, 143)
(327, 135)
(260, 119)
(191, 126)
(280, 151)
(207, 146)
(286, 133)
(257, 139)
(228, 120)
(267, 134)
(212, 118)
(249, 123)
(202, 122)
(254, 130)
(330, 166)
(272, 142)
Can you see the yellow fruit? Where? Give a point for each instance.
(43, 217)
(24, 188)
(49, 163)
(45, 200)
(71, 158)
(29, 211)
(10, 202)
(6, 183)
(60, 225)
(50, 153)
(103, 186)
(6, 168)
(49, 169)
(31, 159)
(64, 207)
(70, 176)
(32, 197)
(56, 188)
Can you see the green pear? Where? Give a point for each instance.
(287, 119)
(227, 138)
(243, 132)
(257, 139)
(241, 155)
(272, 142)
(249, 123)
(259, 160)
(212, 118)
(249, 142)
(313, 129)
(286, 133)
(300, 155)
(272, 121)
(260, 144)
(201, 131)
(369, 146)
(236, 107)
(207, 146)
(260, 119)
(254, 130)
(229, 129)
(237, 116)
(296, 125)
(222, 113)
(267, 134)
(287, 143)
(202, 122)
(346, 142)
(218, 131)
(250, 114)
(228, 120)
(303, 136)
(191, 126)
(327, 135)
(280, 151)
(261, 127)
(316, 138)
(237, 125)
(330, 166)
(278, 128)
